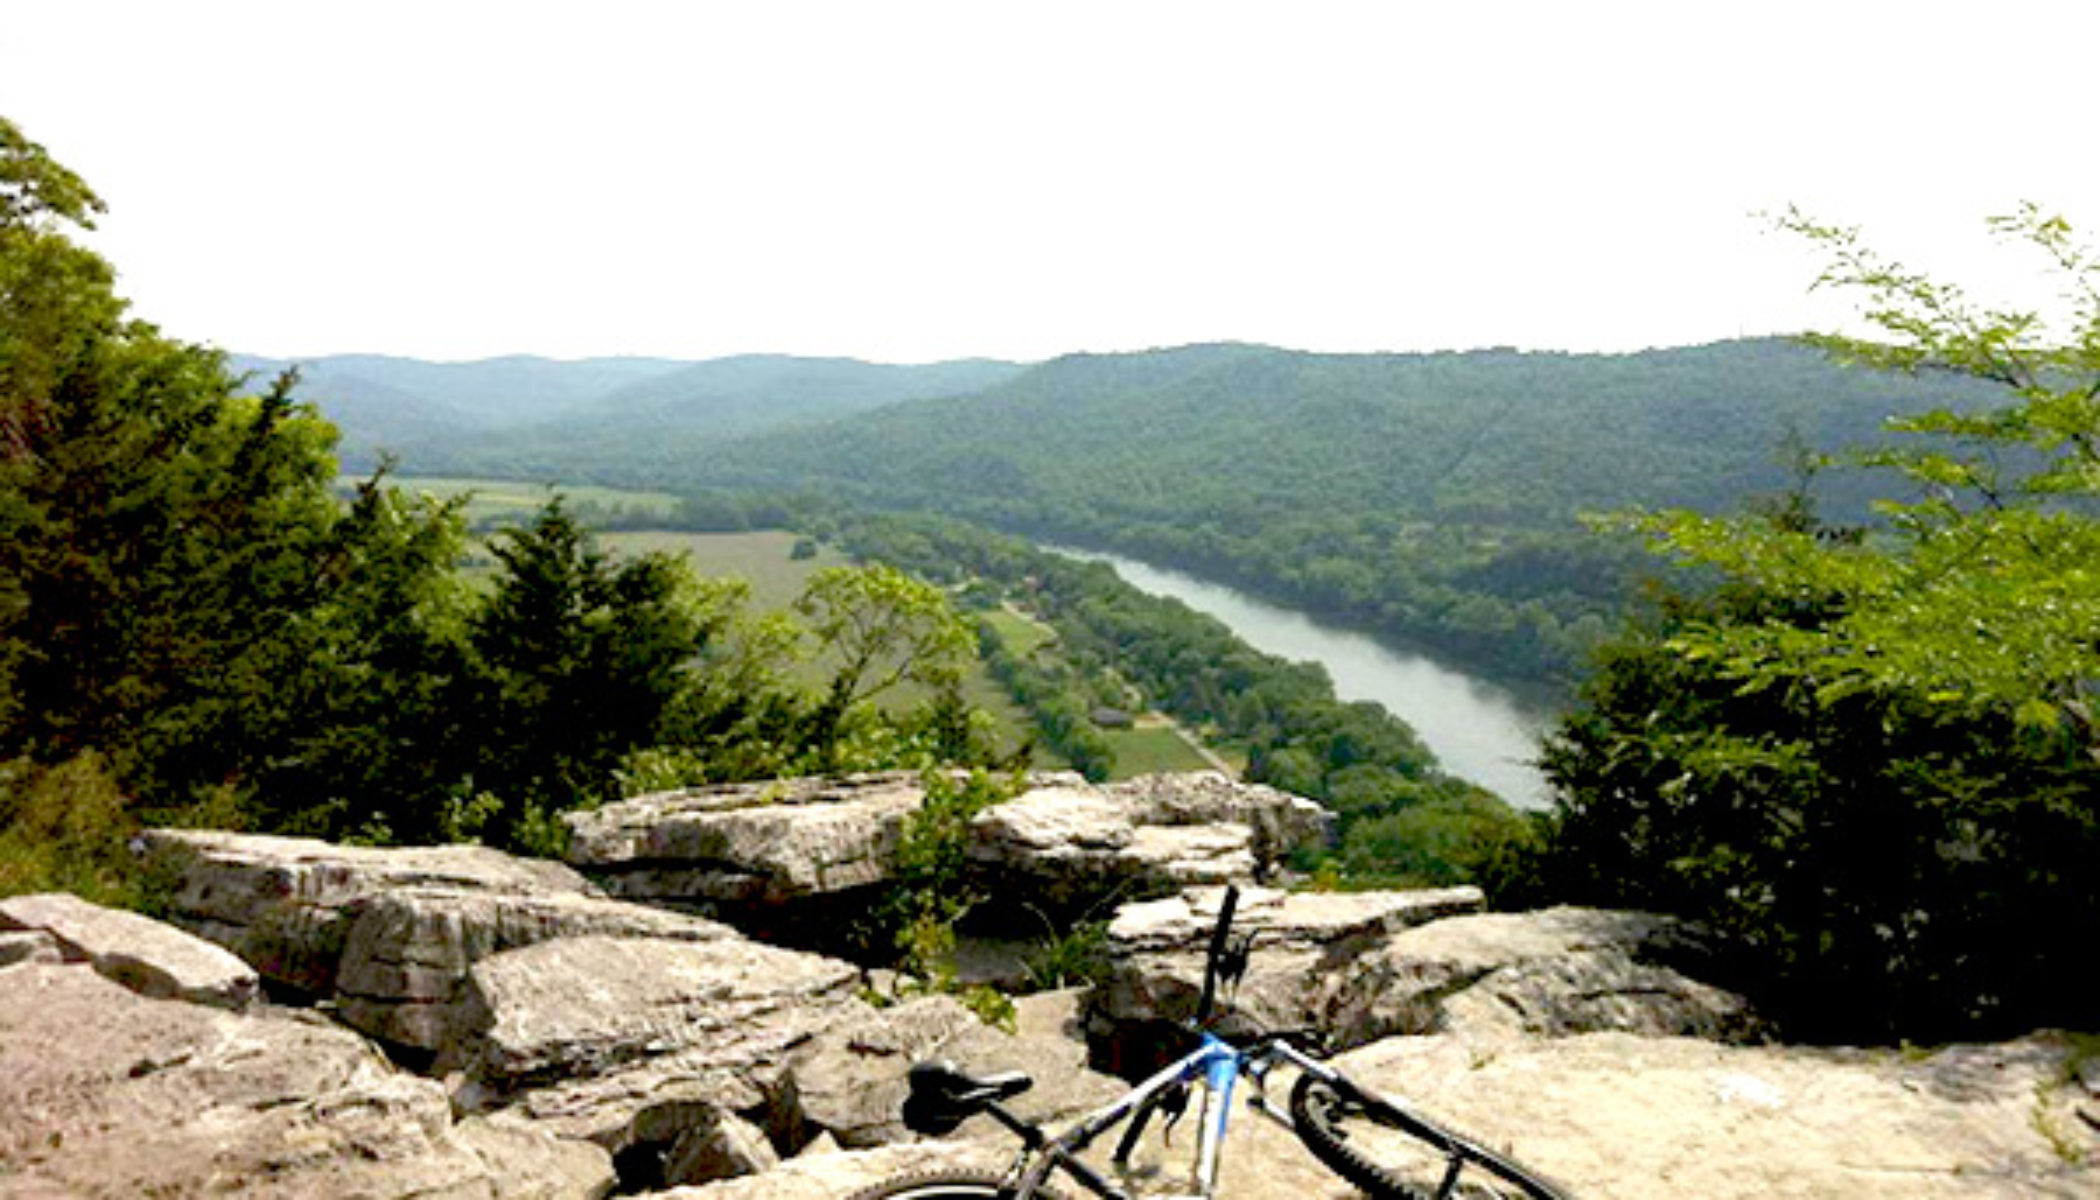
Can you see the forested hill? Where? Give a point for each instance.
(1237, 434)
(1433, 497)
(538, 417)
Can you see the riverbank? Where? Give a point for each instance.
(1479, 731)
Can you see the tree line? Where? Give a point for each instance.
(195, 627)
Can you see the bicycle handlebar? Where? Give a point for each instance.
(1216, 955)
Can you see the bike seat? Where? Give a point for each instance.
(943, 1096)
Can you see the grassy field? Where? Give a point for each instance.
(764, 558)
(1022, 635)
(499, 500)
(1149, 748)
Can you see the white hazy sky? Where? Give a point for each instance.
(909, 181)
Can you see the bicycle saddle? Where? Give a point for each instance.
(943, 1096)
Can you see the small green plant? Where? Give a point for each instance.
(931, 892)
(1077, 956)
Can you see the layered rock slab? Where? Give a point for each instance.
(143, 955)
(1616, 1114)
(1363, 966)
(285, 905)
(1300, 941)
(849, 1085)
(105, 1092)
(644, 1046)
(1065, 843)
(1639, 1118)
(388, 934)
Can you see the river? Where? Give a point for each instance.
(1478, 731)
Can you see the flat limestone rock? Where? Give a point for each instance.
(1615, 1114)
(286, 905)
(1363, 966)
(1552, 972)
(1067, 843)
(831, 1174)
(1303, 941)
(107, 1093)
(144, 955)
(849, 1083)
(758, 842)
(403, 971)
(635, 1044)
(1634, 1118)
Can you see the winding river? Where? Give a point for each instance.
(1477, 730)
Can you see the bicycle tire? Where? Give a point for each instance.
(943, 1185)
(1315, 1103)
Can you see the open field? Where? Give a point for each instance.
(765, 558)
(499, 500)
(1023, 635)
(1149, 748)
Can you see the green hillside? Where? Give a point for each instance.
(1432, 497)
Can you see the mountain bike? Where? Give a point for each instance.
(1377, 1143)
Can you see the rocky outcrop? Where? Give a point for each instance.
(405, 963)
(1550, 973)
(1301, 940)
(144, 955)
(748, 843)
(646, 1047)
(106, 1092)
(1616, 1114)
(1367, 965)
(1640, 1118)
(285, 905)
(848, 1084)
(389, 935)
(1063, 842)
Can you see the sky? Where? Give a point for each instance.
(907, 182)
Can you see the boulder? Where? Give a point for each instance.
(1551, 973)
(1065, 847)
(819, 845)
(1279, 821)
(403, 971)
(105, 1092)
(748, 843)
(286, 905)
(1362, 966)
(388, 933)
(849, 1082)
(640, 1045)
(1301, 941)
(142, 954)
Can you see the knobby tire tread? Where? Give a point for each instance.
(944, 1185)
(1375, 1181)
(1337, 1155)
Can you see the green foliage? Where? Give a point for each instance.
(929, 893)
(194, 625)
(1870, 754)
(1075, 957)
(64, 829)
(577, 659)
(1356, 758)
(885, 628)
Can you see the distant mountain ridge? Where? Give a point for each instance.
(455, 414)
(1232, 431)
